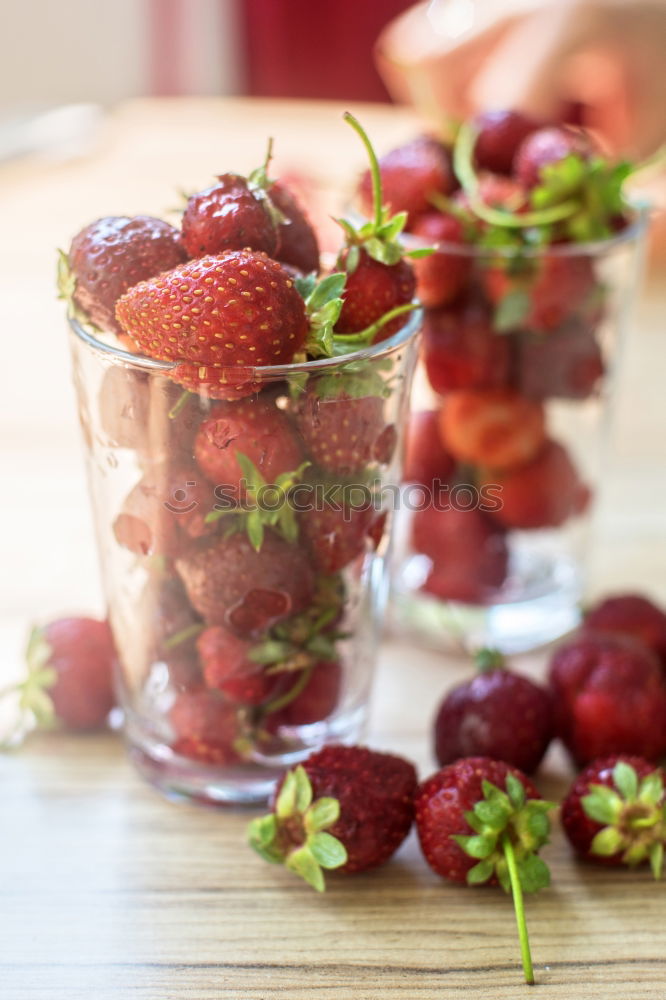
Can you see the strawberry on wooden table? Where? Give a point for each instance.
(634, 615)
(481, 821)
(345, 807)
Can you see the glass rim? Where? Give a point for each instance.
(594, 248)
(259, 373)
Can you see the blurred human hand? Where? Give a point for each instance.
(606, 57)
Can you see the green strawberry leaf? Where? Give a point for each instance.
(625, 780)
(533, 873)
(328, 851)
(322, 814)
(512, 311)
(303, 863)
(607, 842)
(602, 804)
(481, 872)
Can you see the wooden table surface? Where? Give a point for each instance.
(107, 890)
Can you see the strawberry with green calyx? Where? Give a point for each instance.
(481, 821)
(615, 813)
(346, 807)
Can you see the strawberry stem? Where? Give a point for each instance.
(179, 405)
(185, 633)
(517, 893)
(286, 699)
(366, 335)
(374, 167)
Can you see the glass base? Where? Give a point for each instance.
(183, 779)
(538, 604)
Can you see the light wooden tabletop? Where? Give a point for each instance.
(107, 890)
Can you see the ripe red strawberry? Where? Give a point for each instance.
(233, 311)
(298, 245)
(343, 434)
(500, 133)
(316, 702)
(544, 299)
(371, 290)
(70, 673)
(543, 493)
(114, 254)
(609, 696)
(495, 191)
(227, 667)
(425, 457)
(469, 553)
(229, 583)
(633, 615)
(566, 363)
(496, 714)
(231, 215)
(615, 812)
(461, 349)
(345, 807)
(205, 726)
(441, 277)
(336, 537)
(167, 503)
(481, 821)
(254, 427)
(548, 146)
(496, 427)
(410, 174)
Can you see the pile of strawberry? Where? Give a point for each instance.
(480, 819)
(513, 319)
(246, 603)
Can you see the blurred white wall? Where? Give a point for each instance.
(54, 51)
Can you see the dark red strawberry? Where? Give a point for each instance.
(254, 427)
(615, 813)
(114, 254)
(496, 427)
(469, 553)
(634, 615)
(481, 821)
(496, 714)
(345, 807)
(461, 349)
(609, 696)
(205, 727)
(221, 316)
(315, 702)
(441, 277)
(337, 534)
(227, 667)
(500, 133)
(298, 245)
(548, 146)
(426, 460)
(342, 433)
(543, 493)
(229, 583)
(71, 662)
(233, 214)
(373, 289)
(410, 174)
(565, 364)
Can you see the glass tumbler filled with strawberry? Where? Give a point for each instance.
(243, 416)
(537, 254)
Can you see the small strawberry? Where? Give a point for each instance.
(229, 583)
(345, 807)
(70, 676)
(496, 714)
(496, 427)
(548, 146)
(609, 697)
(500, 133)
(338, 533)
(254, 427)
(469, 553)
(228, 667)
(410, 175)
(462, 351)
(633, 615)
(315, 702)
(481, 821)
(543, 493)
(565, 364)
(298, 245)
(615, 813)
(205, 727)
(220, 316)
(343, 434)
(112, 255)
(426, 459)
(441, 277)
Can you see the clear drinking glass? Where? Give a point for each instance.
(242, 549)
(518, 374)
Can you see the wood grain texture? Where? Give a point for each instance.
(107, 890)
